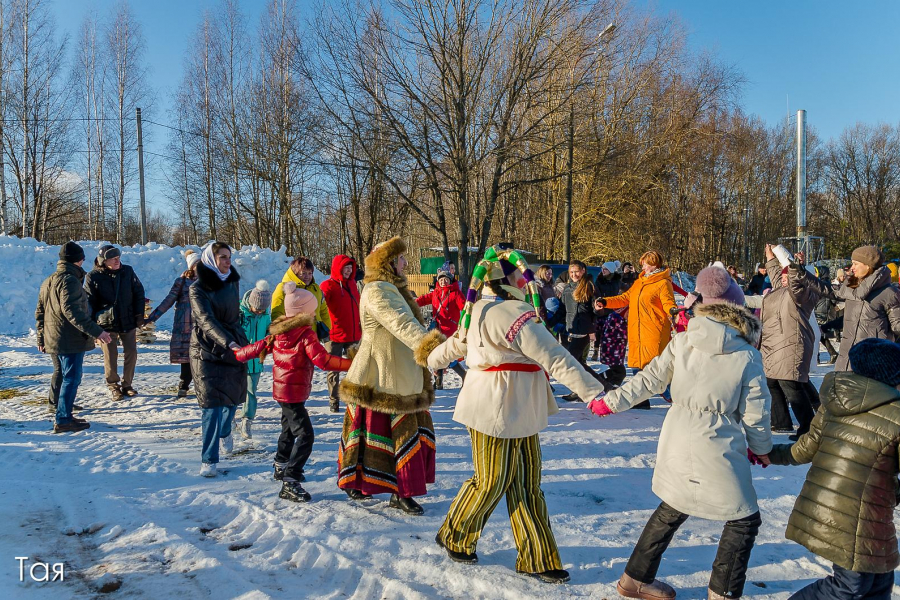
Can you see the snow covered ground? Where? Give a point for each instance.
(123, 507)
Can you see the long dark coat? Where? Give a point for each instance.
(179, 296)
(219, 378)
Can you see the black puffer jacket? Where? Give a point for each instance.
(128, 310)
(215, 308)
(845, 511)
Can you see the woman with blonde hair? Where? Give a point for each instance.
(650, 302)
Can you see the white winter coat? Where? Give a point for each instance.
(510, 404)
(720, 405)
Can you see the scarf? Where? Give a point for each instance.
(209, 260)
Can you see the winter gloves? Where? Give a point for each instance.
(598, 407)
(755, 460)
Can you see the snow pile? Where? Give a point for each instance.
(27, 262)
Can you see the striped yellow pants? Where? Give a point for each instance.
(511, 467)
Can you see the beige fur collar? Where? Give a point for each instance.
(379, 267)
(285, 324)
(738, 317)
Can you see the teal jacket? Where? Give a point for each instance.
(256, 327)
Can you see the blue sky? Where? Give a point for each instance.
(839, 60)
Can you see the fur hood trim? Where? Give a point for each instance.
(208, 279)
(737, 317)
(284, 324)
(392, 404)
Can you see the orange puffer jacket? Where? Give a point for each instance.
(649, 328)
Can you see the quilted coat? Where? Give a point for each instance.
(179, 296)
(649, 300)
(295, 349)
(389, 373)
(63, 319)
(788, 338)
(845, 511)
(219, 378)
(871, 310)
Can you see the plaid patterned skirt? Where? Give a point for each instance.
(386, 454)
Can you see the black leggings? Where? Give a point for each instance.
(729, 569)
(578, 348)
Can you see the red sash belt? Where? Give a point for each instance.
(520, 367)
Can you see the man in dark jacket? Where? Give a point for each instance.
(342, 298)
(845, 511)
(759, 283)
(116, 297)
(66, 331)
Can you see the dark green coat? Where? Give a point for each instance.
(62, 318)
(845, 511)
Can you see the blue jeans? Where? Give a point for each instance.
(849, 585)
(250, 406)
(216, 425)
(71, 369)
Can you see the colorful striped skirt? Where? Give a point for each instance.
(386, 454)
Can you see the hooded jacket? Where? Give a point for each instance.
(446, 303)
(63, 319)
(322, 315)
(295, 349)
(845, 510)
(342, 297)
(720, 408)
(219, 378)
(648, 301)
(255, 326)
(871, 310)
(388, 374)
(128, 306)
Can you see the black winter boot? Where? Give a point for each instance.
(407, 505)
(460, 557)
(357, 495)
(293, 491)
(552, 576)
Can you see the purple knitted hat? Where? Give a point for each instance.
(715, 285)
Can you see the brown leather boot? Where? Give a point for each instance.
(657, 590)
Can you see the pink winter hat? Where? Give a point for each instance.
(298, 301)
(715, 285)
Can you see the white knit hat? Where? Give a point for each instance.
(192, 259)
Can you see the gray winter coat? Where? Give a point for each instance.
(63, 319)
(180, 345)
(871, 310)
(788, 338)
(219, 378)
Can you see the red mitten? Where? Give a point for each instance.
(250, 351)
(754, 459)
(598, 407)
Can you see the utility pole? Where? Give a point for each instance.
(802, 233)
(140, 149)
